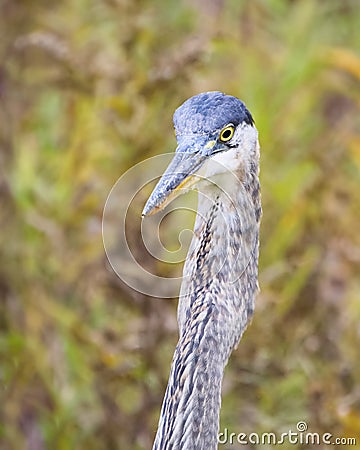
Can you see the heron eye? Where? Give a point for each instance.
(227, 133)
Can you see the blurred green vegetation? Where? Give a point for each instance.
(87, 89)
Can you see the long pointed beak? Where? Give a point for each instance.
(178, 176)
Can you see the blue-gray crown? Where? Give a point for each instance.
(208, 112)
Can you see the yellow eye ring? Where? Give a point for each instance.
(227, 133)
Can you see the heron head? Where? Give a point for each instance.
(215, 134)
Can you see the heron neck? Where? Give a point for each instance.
(190, 413)
(215, 305)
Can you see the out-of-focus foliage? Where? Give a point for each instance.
(88, 88)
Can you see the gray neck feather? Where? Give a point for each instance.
(215, 305)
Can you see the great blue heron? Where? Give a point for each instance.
(217, 153)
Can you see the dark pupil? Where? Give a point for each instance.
(226, 134)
